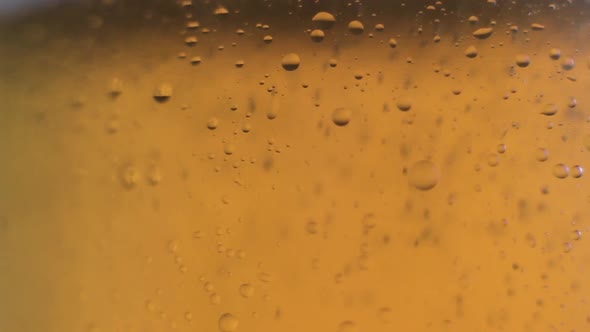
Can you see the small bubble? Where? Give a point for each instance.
(247, 290)
(549, 109)
(356, 27)
(324, 20)
(341, 116)
(215, 298)
(522, 60)
(291, 62)
(555, 53)
(404, 104)
(239, 63)
(542, 154)
(115, 87)
(213, 123)
(561, 171)
(501, 148)
(129, 176)
(577, 171)
(267, 39)
(228, 323)
(220, 11)
(317, 35)
(577, 235)
(568, 63)
(473, 19)
(424, 175)
(191, 41)
(483, 33)
(333, 62)
(163, 92)
(196, 60)
(392, 42)
(537, 26)
(471, 52)
(493, 160)
(379, 27)
(229, 149)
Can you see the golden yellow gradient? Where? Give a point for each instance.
(351, 186)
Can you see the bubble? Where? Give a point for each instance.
(229, 149)
(493, 160)
(193, 25)
(542, 154)
(228, 323)
(129, 176)
(239, 64)
(188, 316)
(212, 123)
(404, 104)
(561, 171)
(568, 63)
(333, 62)
(240, 32)
(471, 52)
(347, 326)
(537, 26)
(163, 92)
(215, 298)
(577, 171)
(341, 116)
(385, 315)
(522, 60)
(483, 33)
(555, 53)
(220, 11)
(379, 27)
(392, 42)
(501, 148)
(196, 60)
(586, 142)
(267, 39)
(115, 87)
(324, 20)
(358, 75)
(436, 39)
(247, 290)
(549, 109)
(424, 175)
(356, 27)
(291, 62)
(191, 41)
(473, 19)
(317, 35)
(246, 127)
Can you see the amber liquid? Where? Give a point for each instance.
(224, 167)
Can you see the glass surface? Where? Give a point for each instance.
(344, 166)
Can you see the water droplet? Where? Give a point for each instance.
(291, 62)
(247, 290)
(228, 323)
(561, 171)
(424, 175)
(341, 116)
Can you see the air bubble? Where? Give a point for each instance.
(483, 33)
(247, 290)
(561, 171)
(228, 323)
(577, 171)
(424, 175)
(290, 62)
(356, 27)
(163, 92)
(341, 116)
(317, 35)
(471, 52)
(324, 20)
(522, 60)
